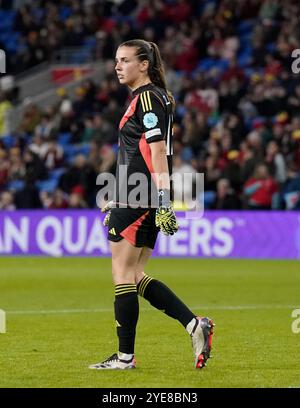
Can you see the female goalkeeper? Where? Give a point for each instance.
(145, 147)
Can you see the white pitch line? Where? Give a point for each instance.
(201, 307)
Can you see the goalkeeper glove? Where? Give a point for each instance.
(165, 217)
(107, 209)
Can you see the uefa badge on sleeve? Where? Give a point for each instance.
(150, 120)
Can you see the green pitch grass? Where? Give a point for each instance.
(60, 320)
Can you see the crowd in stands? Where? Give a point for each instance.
(229, 66)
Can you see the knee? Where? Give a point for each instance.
(122, 273)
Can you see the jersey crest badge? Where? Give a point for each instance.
(150, 120)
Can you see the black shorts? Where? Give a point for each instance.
(137, 226)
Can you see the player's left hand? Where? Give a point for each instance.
(107, 209)
(165, 219)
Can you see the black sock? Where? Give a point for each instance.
(161, 297)
(126, 315)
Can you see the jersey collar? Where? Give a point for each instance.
(142, 88)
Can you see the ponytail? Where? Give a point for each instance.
(157, 72)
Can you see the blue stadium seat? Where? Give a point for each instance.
(204, 4)
(71, 151)
(206, 64)
(249, 71)
(64, 139)
(8, 141)
(115, 148)
(47, 185)
(187, 154)
(90, 42)
(16, 185)
(248, 124)
(244, 56)
(245, 40)
(121, 19)
(213, 120)
(180, 111)
(271, 47)
(81, 56)
(7, 20)
(65, 12)
(209, 198)
(83, 149)
(5, 36)
(221, 64)
(55, 174)
(12, 44)
(246, 26)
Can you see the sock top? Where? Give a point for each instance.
(125, 288)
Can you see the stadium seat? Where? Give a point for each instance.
(65, 12)
(71, 151)
(90, 42)
(206, 64)
(115, 148)
(244, 57)
(55, 174)
(8, 141)
(213, 120)
(187, 154)
(7, 20)
(221, 64)
(82, 56)
(47, 185)
(64, 139)
(180, 110)
(245, 40)
(271, 47)
(246, 26)
(209, 198)
(203, 5)
(16, 185)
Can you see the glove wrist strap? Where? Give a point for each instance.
(164, 198)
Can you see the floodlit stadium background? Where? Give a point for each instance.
(232, 67)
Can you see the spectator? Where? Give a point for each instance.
(31, 117)
(59, 200)
(184, 181)
(275, 161)
(34, 166)
(248, 162)
(108, 160)
(75, 175)
(4, 168)
(28, 197)
(232, 170)
(5, 115)
(226, 199)
(53, 154)
(17, 168)
(196, 131)
(103, 131)
(76, 200)
(260, 189)
(45, 127)
(7, 201)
